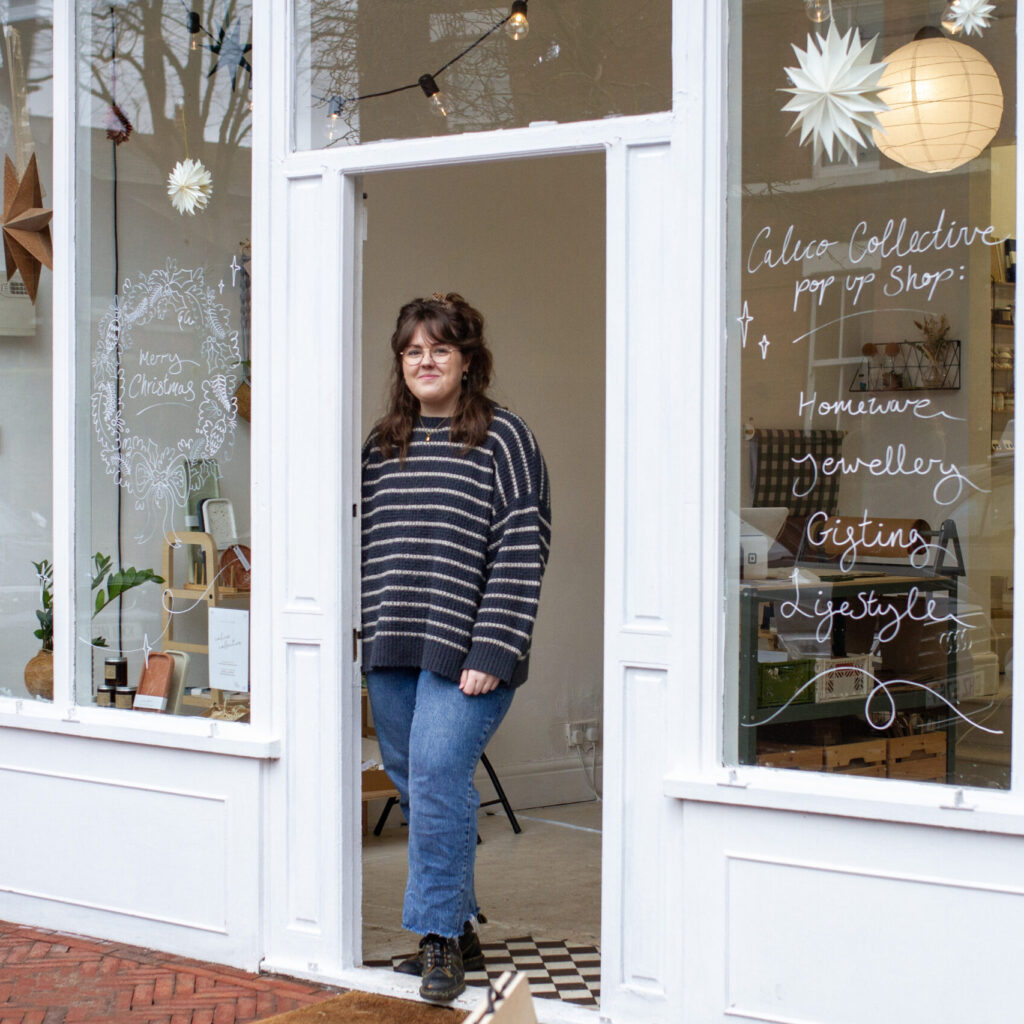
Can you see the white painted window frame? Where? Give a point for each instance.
(710, 780)
(64, 716)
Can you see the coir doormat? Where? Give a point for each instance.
(366, 1008)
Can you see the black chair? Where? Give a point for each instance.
(499, 799)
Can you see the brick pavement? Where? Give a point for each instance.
(50, 978)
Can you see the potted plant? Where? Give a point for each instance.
(108, 586)
(39, 670)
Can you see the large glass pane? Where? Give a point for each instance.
(359, 65)
(26, 334)
(163, 206)
(872, 353)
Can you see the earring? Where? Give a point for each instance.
(465, 377)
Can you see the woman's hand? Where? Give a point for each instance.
(473, 682)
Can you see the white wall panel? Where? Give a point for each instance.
(306, 810)
(869, 937)
(805, 919)
(305, 395)
(645, 909)
(648, 388)
(138, 844)
(82, 826)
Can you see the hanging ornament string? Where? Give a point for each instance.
(116, 139)
(427, 82)
(189, 184)
(515, 23)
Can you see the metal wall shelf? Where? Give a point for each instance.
(909, 369)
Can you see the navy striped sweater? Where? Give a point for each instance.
(454, 548)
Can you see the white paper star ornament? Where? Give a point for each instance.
(190, 186)
(968, 16)
(835, 92)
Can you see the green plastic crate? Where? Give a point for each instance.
(777, 681)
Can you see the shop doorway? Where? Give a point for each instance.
(524, 241)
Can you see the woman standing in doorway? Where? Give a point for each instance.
(456, 527)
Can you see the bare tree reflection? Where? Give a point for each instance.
(139, 55)
(583, 59)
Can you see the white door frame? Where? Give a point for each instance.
(313, 853)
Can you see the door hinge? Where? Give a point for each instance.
(356, 637)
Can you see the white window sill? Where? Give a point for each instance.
(910, 803)
(123, 726)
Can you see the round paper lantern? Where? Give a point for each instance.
(945, 103)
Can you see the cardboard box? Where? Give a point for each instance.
(981, 679)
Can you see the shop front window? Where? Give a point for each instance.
(163, 190)
(26, 356)
(872, 377)
(402, 69)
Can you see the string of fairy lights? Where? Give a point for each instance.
(516, 27)
(515, 23)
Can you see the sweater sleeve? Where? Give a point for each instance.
(519, 541)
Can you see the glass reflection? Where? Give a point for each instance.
(872, 330)
(164, 192)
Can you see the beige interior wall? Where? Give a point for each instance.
(1004, 191)
(524, 242)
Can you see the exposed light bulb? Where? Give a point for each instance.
(817, 10)
(949, 24)
(334, 111)
(438, 103)
(194, 28)
(517, 27)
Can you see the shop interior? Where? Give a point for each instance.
(855, 344)
(164, 175)
(524, 242)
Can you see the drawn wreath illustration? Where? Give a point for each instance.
(158, 475)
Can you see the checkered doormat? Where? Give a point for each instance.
(556, 969)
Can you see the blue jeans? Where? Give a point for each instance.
(431, 738)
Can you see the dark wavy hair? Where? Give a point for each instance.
(449, 320)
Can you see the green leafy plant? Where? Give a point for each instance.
(107, 585)
(44, 570)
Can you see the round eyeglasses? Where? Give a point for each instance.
(413, 355)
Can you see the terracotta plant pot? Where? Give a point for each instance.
(243, 394)
(39, 675)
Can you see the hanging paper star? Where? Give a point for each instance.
(229, 49)
(835, 92)
(190, 186)
(26, 225)
(968, 16)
